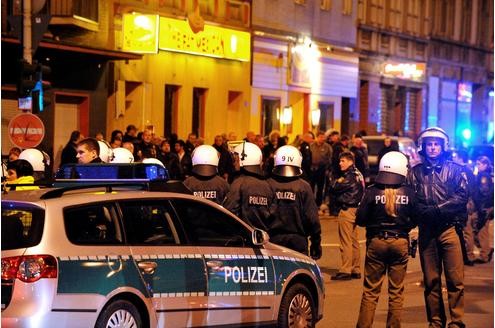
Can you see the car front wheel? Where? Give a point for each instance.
(297, 308)
(120, 313)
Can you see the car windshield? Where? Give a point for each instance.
(21, 226)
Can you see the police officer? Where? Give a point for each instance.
(296, 217)
(387, 211)
(441, 190)
(88, 151)
(250, 196)
(40, 161)
(484, 200)
(204, 181)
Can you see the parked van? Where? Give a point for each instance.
(375, 144)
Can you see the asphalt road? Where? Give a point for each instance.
(343, 298)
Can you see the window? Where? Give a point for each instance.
(95, 224)
(21, 227)
(148, 223)
(198, 111)
(325, 4)
(347, 7)
(270, 114)
(171, 108)
(208, 226)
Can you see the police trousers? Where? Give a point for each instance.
(441, 251)
(384, 257)
(349, 244)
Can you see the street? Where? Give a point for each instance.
(342, 298)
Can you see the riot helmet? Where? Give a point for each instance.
(106, 152)
(250, 157)
(122, 155)
(433, 132)
(37, 158)
(205, 160)
(288, 161)
(392, 168)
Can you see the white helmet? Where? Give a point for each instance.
(106, 153)
(392, 169)
(152, 160)
(122, 155)
(37, 158)
(205, 160)
(288, 161)
(250, 157)
(434, 132)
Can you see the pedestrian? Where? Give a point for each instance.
(204, 181)
(442, 192)
(88, 151)
(14, 153)
(130, 134)
(250, 197)
(185, 160)
(225, 162)
(169, 159)
(388, 212)
(190, 143)
(484, 201)
(296, 217)
(360, 156)
(348, 190)
(116, 139)
(69, 153)
(387, 146)
(305, 149)
(20, 172)
(146, 148)
(321, 160)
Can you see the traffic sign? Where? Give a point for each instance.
(26, 130)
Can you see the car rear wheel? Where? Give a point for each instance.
(297, 308)
(120, 313)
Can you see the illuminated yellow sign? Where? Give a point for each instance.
(140, 33)
(213, 41)
(410, 71)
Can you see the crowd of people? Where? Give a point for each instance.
(283, 188)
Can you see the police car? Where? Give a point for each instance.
(117, 256)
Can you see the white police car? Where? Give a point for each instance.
(119, 257)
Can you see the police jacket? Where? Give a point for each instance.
(296, 212)
(442, 193)
(213, 188)
(251, 198)
(348, 189)
(372, 215)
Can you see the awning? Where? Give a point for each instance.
(53, 47)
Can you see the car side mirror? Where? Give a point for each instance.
(260, 237)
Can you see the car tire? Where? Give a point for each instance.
(120, 313)
(297, 308)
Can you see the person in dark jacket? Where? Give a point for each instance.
(360, 156)
(250, 197)
(442, 191)
(204, 181)
(88, 151)
(348, 190)
(185, 160)
(169, 159)
(387, 146)
(69, 153)
(305, 149)
(388, 212)
(296, 217)
(225, 162)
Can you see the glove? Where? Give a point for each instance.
(315, 251)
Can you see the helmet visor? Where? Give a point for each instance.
(287, 171)
(205, 170)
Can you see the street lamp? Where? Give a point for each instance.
(315, 117)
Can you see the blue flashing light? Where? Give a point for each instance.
(466, 134)
(490, 94)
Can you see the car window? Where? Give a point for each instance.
(148, 223)
(95, 224)
(208, 226)
(21, 226)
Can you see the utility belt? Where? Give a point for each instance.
(388, 234)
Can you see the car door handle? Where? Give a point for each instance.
(147, 267)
